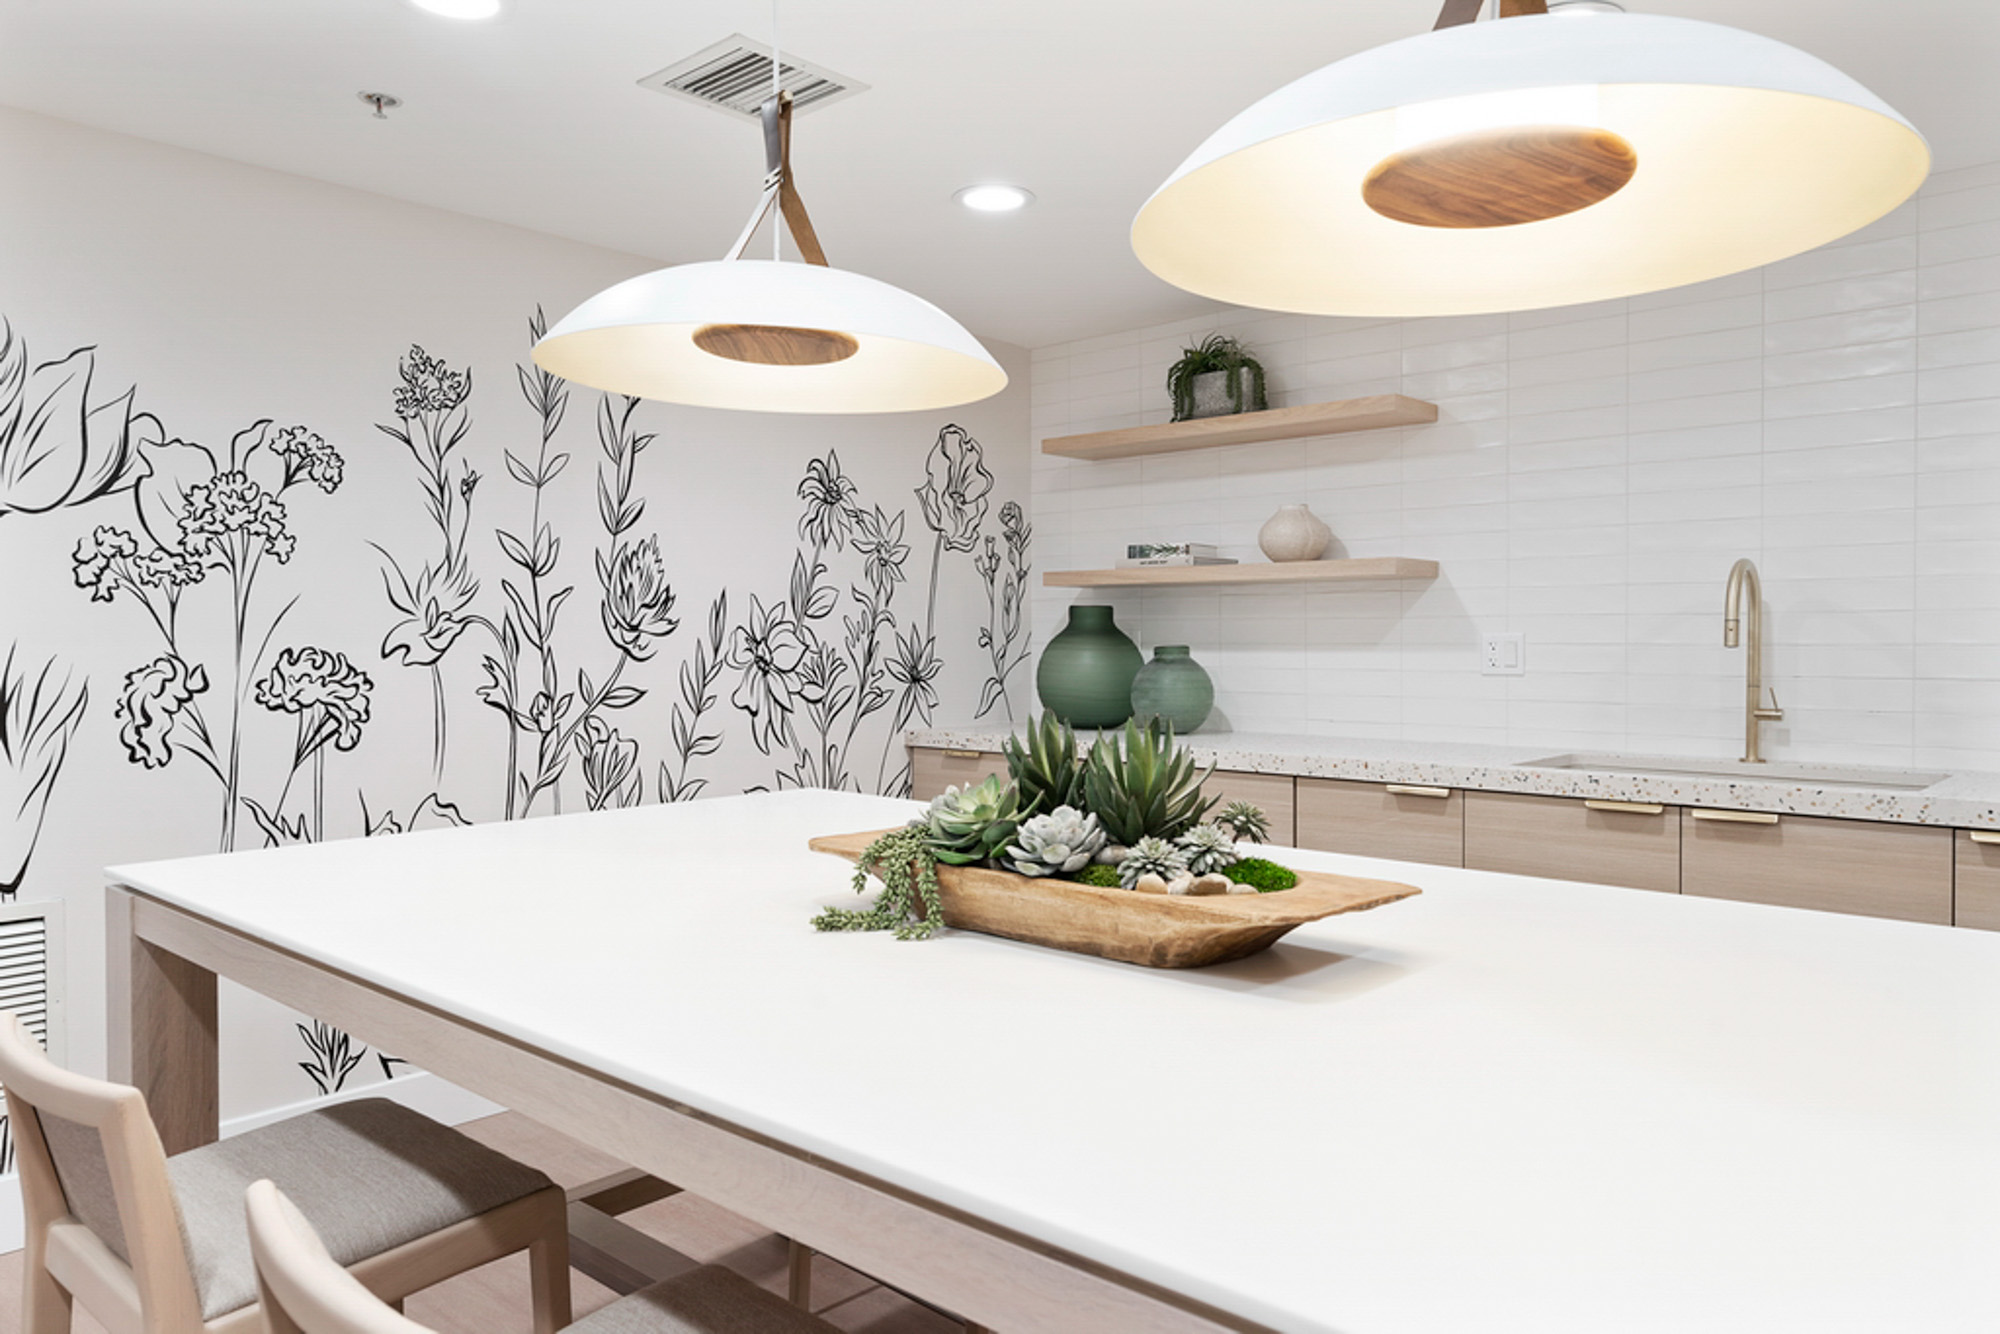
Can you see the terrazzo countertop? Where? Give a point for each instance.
(1965, 800)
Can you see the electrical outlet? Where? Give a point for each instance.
(1503, 655)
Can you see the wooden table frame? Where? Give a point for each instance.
(162, 969)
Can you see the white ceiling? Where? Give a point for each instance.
(535, 118)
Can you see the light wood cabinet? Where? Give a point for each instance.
(1271, 792)
(1634, 844)
(1402, 821)
(1976, 901)
(932, 769)
(1799, 861)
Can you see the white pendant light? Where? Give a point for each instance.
(1537, 160)
(768, 336)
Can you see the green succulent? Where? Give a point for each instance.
(1143, 784)
(1246, 821)
(1060, 842)
(1151, 856)
(1045, 767)
(1207, 847)
(973, 823)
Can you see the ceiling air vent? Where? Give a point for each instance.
(735, 75)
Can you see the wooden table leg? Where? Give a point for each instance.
(800, 1286)
(161, 1012)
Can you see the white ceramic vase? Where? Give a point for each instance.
(1294, 533)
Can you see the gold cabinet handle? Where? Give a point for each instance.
(1983, 835)
(1406, 790)
(1627, 807)
(961, 754)
(1737, 817)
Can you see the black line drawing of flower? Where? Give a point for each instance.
(330, 698)
(915, 667)
(154, 698)
(200, 513)
(954, 491)
(829, 495)
(767, 648)
(57, 450)
(879, 537)
(610, 766)
(432, 421)
(434, 610)
(38, 716)
(333, 1056)
(637, 597)
(1004, 598)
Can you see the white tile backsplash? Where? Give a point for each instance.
(1594, 472)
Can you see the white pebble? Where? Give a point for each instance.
(1150, 884)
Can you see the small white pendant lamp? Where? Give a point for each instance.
(1539, 160)
(767, 336)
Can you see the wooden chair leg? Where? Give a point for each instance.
(548, 1276)
(46, 1305)
(801, 1275)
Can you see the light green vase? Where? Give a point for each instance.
(1173, 687)
(1085, 675)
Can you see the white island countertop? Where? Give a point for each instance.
(1505, 1105)
(1963, 800)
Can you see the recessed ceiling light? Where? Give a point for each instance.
(994, 198)
(460, 9)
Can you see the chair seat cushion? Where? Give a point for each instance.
(368, 1175)
(708, 1300)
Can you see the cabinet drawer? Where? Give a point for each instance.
(932, 769)
(1855, 866)
(1370, 820)
(1565, 838)
(1977, 899)
(1272, 792)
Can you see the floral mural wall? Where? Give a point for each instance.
(412, 580)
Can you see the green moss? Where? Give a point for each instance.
(1267, 876)
(1104, 877)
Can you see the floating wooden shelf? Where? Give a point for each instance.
(1350, 414)
(1288, 572)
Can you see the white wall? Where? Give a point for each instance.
(1594, 473)
(228, 294)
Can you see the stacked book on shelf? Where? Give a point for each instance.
(1140, 555)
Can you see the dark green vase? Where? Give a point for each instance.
(1173, 687)
(1085, 676)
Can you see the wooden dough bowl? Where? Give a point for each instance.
(1157, 930)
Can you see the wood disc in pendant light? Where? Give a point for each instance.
(775, 344)
(1501, 178)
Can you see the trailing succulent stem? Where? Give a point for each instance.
(1143, 785)
(909, 903)
(1045, 767)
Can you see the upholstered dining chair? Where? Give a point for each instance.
(157, 1245)
(303, 1291)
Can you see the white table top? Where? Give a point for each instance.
(1508, 1104)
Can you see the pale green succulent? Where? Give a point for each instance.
(973, 823)
(1154, 856)
(1058, 843)
(1246, 821)
(1207, 847)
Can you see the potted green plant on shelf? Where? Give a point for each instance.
(1215, 378)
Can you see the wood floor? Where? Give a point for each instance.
(494, 1299)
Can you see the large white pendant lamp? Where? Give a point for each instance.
(768, 336)
(1537, 160)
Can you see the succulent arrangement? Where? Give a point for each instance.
(1128, 815)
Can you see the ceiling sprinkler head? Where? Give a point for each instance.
(382, 102)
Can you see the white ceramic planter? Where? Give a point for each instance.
(1294, 533)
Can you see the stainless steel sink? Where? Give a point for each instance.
(1681, 766)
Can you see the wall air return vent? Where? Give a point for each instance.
(735, 75)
